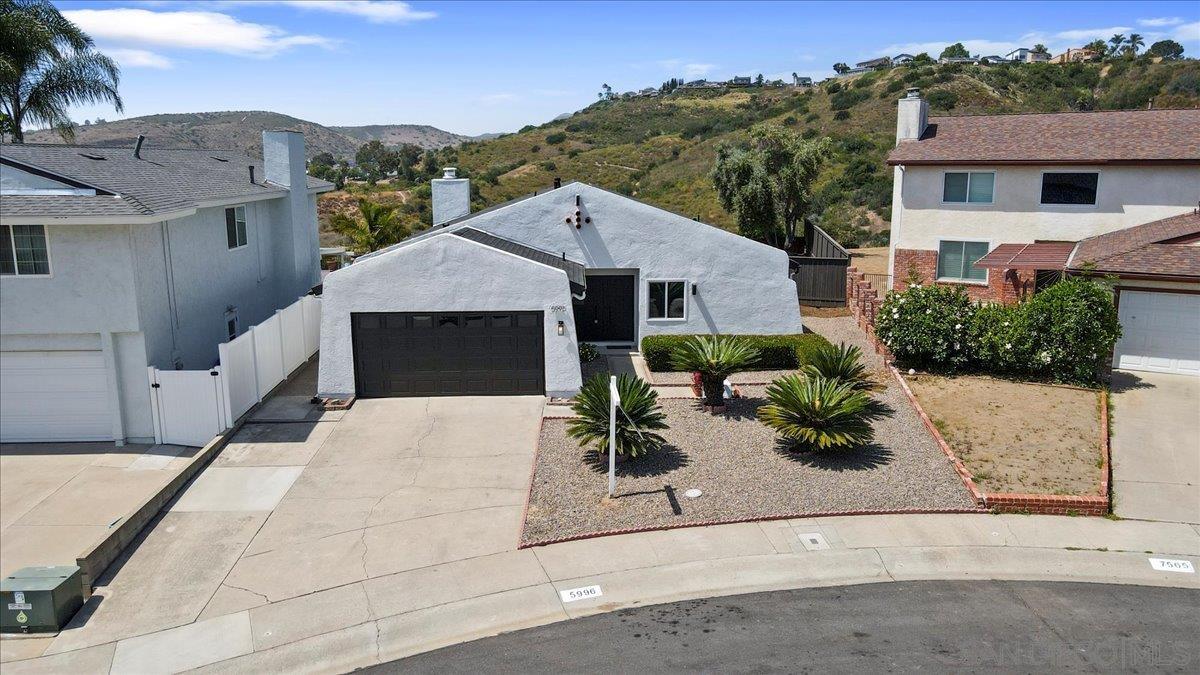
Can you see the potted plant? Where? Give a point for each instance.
(715, 357)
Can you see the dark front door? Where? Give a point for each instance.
(448, 353)
(606, 313)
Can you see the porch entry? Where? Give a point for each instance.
(608, 310)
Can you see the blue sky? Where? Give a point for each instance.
(474, 67)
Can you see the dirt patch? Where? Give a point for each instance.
(1018, 436)
(824, 312)
(741, 470)
(870, 260)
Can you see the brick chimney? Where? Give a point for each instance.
(451, 196)
(912, 116)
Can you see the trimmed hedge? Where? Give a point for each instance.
(776, 352)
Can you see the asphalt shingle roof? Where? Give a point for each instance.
(576, 274)
(161, 181)
(1057, 138)
(1141, 249)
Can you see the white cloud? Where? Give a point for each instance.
(1089, 34)
(1160, 21)
(497, 99)
(691, 70)
(210, 31)
(977, 46)
(1188, 32)
(376, 11)
(139, 58)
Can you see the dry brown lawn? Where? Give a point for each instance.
(870, 260)
(1017, 436)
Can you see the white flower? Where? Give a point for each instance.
(929, 311)
(956, 346)
(1005, 323)
(912, 371)
(1008, 345)
(957, 326)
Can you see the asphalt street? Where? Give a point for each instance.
(934, 626)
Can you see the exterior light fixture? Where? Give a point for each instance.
(695, 288)
(562, 329)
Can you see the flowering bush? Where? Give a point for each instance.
(1065, 332)
(927, 325)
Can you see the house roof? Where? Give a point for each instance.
(1145, 249)
(1043, 255)
(1124, 136)
(162, 181)
(575, 271)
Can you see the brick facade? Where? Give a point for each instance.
(1006, 286)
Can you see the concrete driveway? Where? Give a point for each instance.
(1156, 446)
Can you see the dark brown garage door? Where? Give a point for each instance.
(448, 353)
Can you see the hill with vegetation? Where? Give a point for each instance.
(662, 149)
(242, 130)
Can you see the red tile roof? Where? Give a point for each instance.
(1119, 136)
(1042, 255)
(1141, 249)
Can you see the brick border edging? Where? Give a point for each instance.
(522, 544)
(1011, 502)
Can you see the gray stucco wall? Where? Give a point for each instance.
(446, 273)
(743, 285)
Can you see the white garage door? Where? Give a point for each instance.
(1161, 332)
(53, 396)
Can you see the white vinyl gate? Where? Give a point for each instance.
(192, 406)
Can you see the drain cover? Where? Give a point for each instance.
(692, 493)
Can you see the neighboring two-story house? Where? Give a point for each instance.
(999, 204)
(116, 259)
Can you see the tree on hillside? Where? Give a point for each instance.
(1169, 50)
(955, 51)
(840, 68)
(1040, 48)
(1114, 44)
(1135, 42)
(372, 228)
(768, 187)
(1099, 47)
(47, 65)
(758, 80)
(922, 58)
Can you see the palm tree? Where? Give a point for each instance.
(48, 65)
(1134, 42)
(374, 227)
(1116, 41)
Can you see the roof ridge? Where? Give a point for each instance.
(149, 147)
(1064, 112)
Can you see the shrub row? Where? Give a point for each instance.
(1064, 333)
(776, 352)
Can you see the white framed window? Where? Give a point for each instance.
(968, 187)
(1070, 188)
(235, 227)
(667, 299)
(232, 324)
(24, 251)
(956, 261)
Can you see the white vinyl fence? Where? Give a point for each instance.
(192, 406)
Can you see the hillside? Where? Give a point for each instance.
(242, 130)
(422, 135)
(662, 149)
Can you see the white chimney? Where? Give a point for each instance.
(912, 116)
(283, 158)
(293, 219)
(451, 196)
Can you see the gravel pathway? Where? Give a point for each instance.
(741, 470)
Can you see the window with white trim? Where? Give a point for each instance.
(668, 299)
(235, 226)
(24, 251)
(963, 187)
(956, 260)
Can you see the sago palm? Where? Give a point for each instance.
(815, 413)
(715, 357)
(47, 65)
(839, 362)
(372, 228)
(635, 428)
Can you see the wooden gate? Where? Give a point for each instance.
(820, 274)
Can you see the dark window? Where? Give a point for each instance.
(422, 321)
(448, 321)
(668, 300)
(235, 226)
(23, 250)
(231, 324)
(1069, 188)
(473, 321)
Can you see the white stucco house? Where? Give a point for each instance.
(1002, 205)
(116, 259)
(497, 302)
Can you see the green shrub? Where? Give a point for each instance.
(635, 429)
(841, 115)
(839, 362)
(943, 99)
(587, 352)
(1072, 326)
(927, 325)
(775, 352)
(556, 138)
(816, 413)
(998, 338)
(833, 88)
(715, 357)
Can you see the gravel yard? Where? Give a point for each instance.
(748, 377)
(742, 472)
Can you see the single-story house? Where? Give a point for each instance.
(498, 301)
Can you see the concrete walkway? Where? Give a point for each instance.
(1156, 446)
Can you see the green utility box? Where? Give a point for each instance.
(40, 599)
